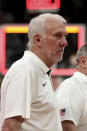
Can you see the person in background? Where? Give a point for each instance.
(72, 61)
(28, 102)
(72, 96)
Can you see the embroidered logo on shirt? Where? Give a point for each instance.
(62, 112)
(44, 84)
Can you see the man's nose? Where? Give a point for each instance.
(64, 42)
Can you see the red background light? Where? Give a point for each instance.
(24, 29)
(42, 4)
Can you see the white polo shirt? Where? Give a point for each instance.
(72, 100)
(27, 91)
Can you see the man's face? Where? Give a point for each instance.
(54, 41)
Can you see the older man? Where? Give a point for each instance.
(28, 102)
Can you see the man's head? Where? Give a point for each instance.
(47, 37)
(82, 59)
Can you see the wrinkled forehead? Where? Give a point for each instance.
(55, 21)
(55, 25)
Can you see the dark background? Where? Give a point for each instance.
(15, 11)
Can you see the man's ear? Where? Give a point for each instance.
(37, 40)
(82, 60)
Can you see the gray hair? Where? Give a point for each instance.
(37, 25)
(82, 52)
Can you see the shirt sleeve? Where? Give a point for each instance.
(19, 94)
(69, 102)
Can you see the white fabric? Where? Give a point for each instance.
(27, 91)
(72, 96)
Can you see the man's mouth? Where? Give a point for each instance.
(60, 50)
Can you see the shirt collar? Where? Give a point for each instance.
(81, 76)
(37, 61)
(49, 72)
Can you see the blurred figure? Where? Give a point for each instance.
(28, 102)
(72, 96)
(6, 17)
(72, 61)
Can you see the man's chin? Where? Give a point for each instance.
(59, 59)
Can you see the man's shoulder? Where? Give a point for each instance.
(68, 81)
(22, 67)
(68, 85)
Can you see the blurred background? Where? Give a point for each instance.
(19, 13)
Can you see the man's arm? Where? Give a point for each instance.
(12, 124)
(68, 126)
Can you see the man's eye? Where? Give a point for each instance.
(57, 35)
